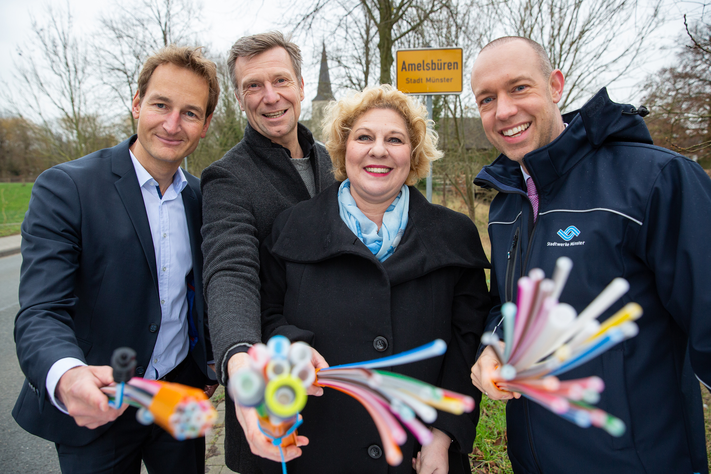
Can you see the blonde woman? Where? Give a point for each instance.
(369, 268)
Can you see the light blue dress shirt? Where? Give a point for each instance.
(171, 243)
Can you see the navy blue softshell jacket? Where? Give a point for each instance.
(618, 207)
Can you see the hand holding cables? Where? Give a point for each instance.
(270, 390)
(544, 338)
(184, 412)
(79, 390)
(388, 397)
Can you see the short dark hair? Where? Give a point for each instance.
(190, 58)
(250, 46)
(544, 61)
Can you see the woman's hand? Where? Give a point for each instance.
(485, 374)
(318, 362)
(433, 458)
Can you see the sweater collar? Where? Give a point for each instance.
(257, 140)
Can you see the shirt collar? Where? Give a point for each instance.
(525, 175)
(144, 177)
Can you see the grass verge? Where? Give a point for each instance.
(489, 455)
(14, 200)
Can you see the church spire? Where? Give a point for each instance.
(324, 92)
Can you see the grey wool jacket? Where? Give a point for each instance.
(243, 193)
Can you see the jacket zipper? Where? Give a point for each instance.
(524, 266)
(532, 233)
(508, 296)
(511, 266)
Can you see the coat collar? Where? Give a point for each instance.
(436, 237)
(257, 140)
(277, 166)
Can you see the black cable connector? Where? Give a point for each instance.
(123, 361)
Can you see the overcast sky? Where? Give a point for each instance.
(226, 20)
(223, 20)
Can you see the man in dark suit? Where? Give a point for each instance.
(111, 258)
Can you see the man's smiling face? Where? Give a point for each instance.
(270, 94)
(516, 101)
(171, 117)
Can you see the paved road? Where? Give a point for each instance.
(20, 452)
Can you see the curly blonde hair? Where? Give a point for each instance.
(341, 115)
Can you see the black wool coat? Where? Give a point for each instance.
(321, 285)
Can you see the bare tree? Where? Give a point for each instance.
(360, 21)
(131, 31)
(352, 50)
(465, 148)
(54, 88)
(593, 42)
(699, 38)
(679, 97)
(226, 128)
(18, 149)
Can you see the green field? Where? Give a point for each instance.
(14, 199)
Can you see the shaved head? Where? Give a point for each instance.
(543, 59)
(517, 93)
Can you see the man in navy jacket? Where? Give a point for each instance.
(111, 258)
(641, 213)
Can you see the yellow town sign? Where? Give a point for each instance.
(429, 71)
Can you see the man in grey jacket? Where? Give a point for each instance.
(275, 166)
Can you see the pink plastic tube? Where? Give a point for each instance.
(526, 290)
(554, 403)
(388, 427)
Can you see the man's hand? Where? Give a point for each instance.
(248, 419)
(485, 374)
(434, 457)
(79, 390)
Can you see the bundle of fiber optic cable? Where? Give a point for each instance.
(544, 338)
(388, 397)
(275, 385)
(184, 412)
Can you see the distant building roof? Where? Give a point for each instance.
(471, 131)
(324, 80)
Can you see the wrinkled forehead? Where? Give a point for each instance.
(274, 61)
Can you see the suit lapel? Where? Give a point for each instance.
(130, 193)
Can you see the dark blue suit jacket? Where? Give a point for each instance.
(89, 283)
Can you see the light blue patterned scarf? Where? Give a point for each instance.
(384, 242)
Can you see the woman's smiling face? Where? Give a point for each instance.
(378, 155)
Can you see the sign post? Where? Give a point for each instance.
(429, 72)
